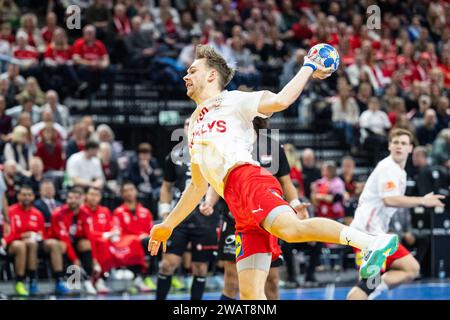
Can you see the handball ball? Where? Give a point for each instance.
(325, 55)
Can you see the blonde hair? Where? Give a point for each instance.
(19, 133)
(215, 61)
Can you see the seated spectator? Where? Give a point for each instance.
(48, 122)
(13, 180)
(145, 173)
(60, 73)
(65, 227)
(33, 90)
(19, 150)
(440, 152)
(84, 168)
(5, 54)
(37, 175)
(119, 27)
(217, 41)
(135, 220)
(424, 102)
(26, 56)
(327, 194)
(25, 121)
(105, 134)
(363, 96)
(91, 59)
(296, 168)
(187, 27)
(395, 110)
(15, 81)
(29, 25)
(46, 202)
(345, 112)
(141, 45)
(187, 54)
(374, 123)
(9, 95)
(109, 247)
(353, 188)
(300, 31)
(77, 142)
(9, 11)
(27, 234)
(110, 168)
(291, 67)
(355, 69)
(443, 113)
(310, 171)
(27, 105)
(423, 68)
(5, 124)
(426, 133)
(51, 24)
(61, 114)
(246, 72)
(98, 14)
(50, 149)
(166, 17)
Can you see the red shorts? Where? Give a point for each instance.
(400, 253)
(251, 193)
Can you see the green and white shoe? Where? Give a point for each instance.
(383, 246)
(149, 283)
(177, 284)
(21, 289)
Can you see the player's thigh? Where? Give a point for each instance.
(82, 245)
(17, 247)
(406, 263)
(204, 243)
(285, 225)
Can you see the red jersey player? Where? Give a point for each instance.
(221, 136)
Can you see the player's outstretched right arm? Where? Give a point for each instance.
(190, 198)
(429, 200)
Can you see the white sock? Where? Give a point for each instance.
(355, 238)
(378, 290)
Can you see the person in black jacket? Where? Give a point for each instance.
(47, 203)
(140, 44)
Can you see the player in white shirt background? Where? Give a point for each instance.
(221, 136)
(382, 195)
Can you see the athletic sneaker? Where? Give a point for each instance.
(21, 289)
(139, 284)
(149, 283)
(61, 289)
(89, 288)
(101, 287)
(177, 284)
(33, 287)
(383, 246)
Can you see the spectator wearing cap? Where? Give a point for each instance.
(84, 168)
(91, 59)
(141, 45)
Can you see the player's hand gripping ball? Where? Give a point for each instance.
(324, 59)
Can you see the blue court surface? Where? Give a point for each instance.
(415, 291)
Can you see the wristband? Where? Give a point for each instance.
(312, 66)
(295, 203)
(164, 207)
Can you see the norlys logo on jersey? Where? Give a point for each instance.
(215, 125)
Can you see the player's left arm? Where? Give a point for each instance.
(429, 200)
(274, 102)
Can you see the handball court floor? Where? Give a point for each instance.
(415, 291)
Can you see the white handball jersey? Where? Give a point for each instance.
(221, 134)
(388, 179)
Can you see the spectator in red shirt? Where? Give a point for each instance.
(58, 64)
(136, 220)
(26, 240)
(29, 25)
(50, 27)
(27, 56)
(300, 31)
(49, 149)
(91, 59)
(65, 225)
(423, 68)
(109, 247)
